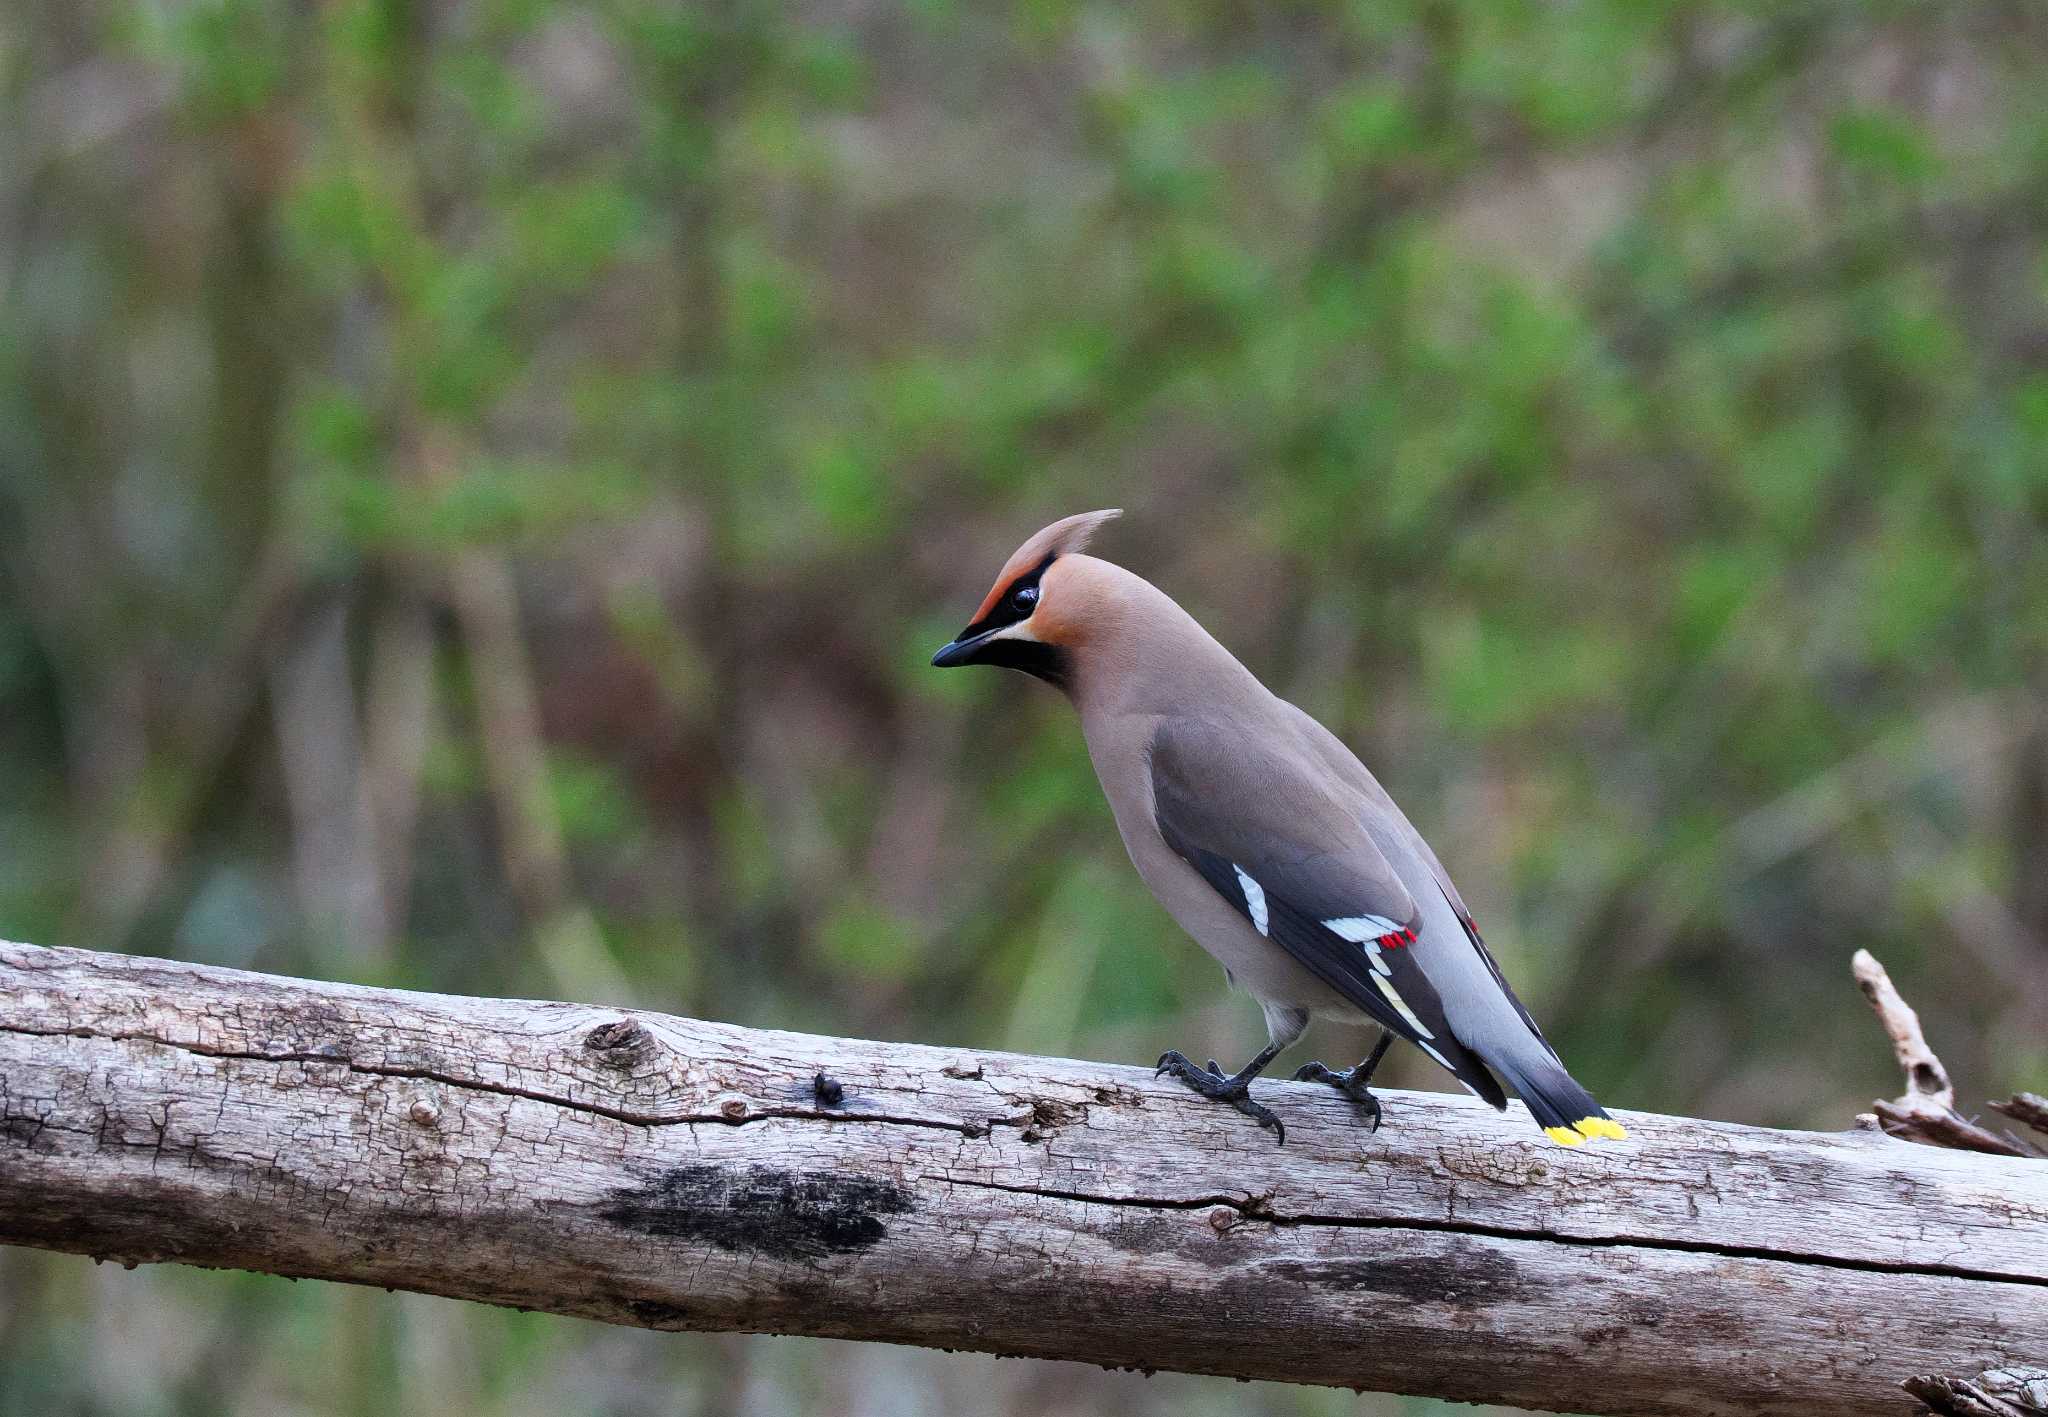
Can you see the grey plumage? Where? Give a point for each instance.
(1264, 836)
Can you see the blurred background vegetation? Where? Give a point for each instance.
(480, 479)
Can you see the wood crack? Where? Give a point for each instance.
(1258, 1209)
(970, 1130)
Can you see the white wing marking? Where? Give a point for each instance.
(1254, 897)
(1360, 928)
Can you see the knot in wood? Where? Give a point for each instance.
(423, 1111)
(618, 1043)
(733, 1109)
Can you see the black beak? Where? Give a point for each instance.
(990, 646)
(960, 651)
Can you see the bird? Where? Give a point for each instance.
(1266, 840)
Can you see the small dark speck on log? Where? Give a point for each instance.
(827, 1090)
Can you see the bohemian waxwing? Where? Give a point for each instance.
(1265, 839)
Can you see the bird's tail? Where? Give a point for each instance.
(1566, 1112)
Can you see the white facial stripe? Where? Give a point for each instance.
(1379, 958)
(1021, 630)
(1402, 1004)
(1254, 897)
(1360, 928)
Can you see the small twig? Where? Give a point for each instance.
(2027, 1108)
(2002, 1392)
(1921, 1122)
(1926, 1111)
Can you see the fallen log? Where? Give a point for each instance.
(673, 1173)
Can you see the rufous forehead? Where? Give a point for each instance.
(1065, 535)
(1020, 564)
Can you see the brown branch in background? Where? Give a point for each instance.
(515, 759)
(1925, 1112)
(319, 745)
(151, 830)
(565, 933)
(398, 716)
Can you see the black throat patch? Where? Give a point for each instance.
(1041, 661)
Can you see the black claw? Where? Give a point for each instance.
(1212, 1084)
(1352, 1084)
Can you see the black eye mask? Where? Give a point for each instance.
(1042, 661)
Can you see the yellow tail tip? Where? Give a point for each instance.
(1563, 1136)
(1602, 1127)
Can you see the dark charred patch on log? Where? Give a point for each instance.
(763, 1210)
(655, 1314)
(1475, 1277)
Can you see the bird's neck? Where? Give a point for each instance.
(1149, 657)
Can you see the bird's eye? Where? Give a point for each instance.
(1023, 598)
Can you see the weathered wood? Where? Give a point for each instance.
(672, 1173)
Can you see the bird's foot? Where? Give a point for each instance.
(1211, 1083)
(1352, 1084)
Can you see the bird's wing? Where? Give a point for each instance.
(1288, 852)
(1457, 904)
(1472, 934)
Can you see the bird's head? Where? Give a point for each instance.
(1043, 608)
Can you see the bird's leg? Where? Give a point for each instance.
(1236, 1089)
(1353, 1084)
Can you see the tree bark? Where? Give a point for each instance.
(677, 1174)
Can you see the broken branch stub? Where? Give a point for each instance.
(1926, 1111)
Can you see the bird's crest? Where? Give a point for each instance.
(1068, 534)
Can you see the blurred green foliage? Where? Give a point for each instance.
(479, 480)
